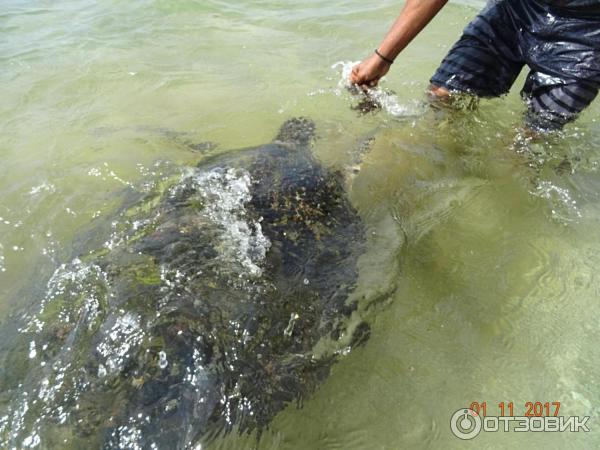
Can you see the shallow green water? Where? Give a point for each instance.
(479, 282)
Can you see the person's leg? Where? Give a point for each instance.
(562, 49)
(438, 91)
(549, 108)
(484, 62)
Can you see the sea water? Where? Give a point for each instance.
(480, 278)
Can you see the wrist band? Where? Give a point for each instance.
(387, 60)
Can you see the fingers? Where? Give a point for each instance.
(356, 77)
(364, 76)
(367, 84)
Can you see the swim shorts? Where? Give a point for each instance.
(558, 40)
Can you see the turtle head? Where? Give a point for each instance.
(298, 131)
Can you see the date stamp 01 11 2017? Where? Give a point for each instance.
(468, 423)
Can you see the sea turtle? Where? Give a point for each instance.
(201, 315)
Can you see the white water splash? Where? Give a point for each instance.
(125, 335)
(106, 173)
(388, 101)
(129, 437)
(225, 193)
(76, 280)
(44, 187)
(76, 299)
(162, 360)
(44, 401)
(31, 441)
(32, 350)
(290, 327)
(564, 206)
(81, 282)
(2, 260)
(346, 69)
(197, 375)
(72, 305)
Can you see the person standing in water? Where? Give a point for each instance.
(559, 40)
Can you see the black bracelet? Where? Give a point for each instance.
(387, 60)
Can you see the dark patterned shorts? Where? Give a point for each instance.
(560, 47)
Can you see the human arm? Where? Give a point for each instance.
(415, 15)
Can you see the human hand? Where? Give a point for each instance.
(369, 72)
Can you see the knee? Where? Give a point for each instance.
(438, 92)
(442, 97)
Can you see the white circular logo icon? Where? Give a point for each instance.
(465, 424)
